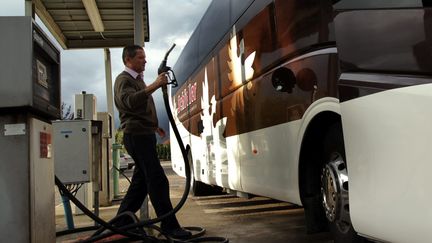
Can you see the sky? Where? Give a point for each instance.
(171, 21)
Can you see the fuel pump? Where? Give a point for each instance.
(29, 100)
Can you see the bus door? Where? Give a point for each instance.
(385, 89)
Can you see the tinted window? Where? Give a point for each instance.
(212, 78)
(250, 44)
(298, 24)
(260, 40)
(367, 4)
(224, 69)
(188, 60)
(213, 26)
(237, 9)
(251, 12)
(201, 87)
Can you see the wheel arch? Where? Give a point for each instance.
(312, 145)
(310, 165)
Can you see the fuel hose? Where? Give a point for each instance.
(125, 230)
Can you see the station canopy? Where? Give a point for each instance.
(79, 24)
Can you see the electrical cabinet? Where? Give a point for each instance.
(77, 150)
(29, 68)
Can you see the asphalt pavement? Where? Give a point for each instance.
(241, 220)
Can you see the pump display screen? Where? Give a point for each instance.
(42, 75)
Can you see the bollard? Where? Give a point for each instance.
(116, 163)
(68, 212)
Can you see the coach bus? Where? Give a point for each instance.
(324, 104)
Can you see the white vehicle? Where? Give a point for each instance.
(126, 162)
(320, 103)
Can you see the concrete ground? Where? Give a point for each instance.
(240, 220)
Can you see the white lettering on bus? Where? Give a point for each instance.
(186, 97)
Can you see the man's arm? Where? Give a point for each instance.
(160, 81)
(161, 132)
(129, 98)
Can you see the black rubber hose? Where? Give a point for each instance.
(188, 178)
(145, 223)
(185, 193)
(89, 213)
(123, 174)
(187, 164)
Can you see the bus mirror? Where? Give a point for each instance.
(283, 80)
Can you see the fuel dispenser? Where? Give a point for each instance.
(29, 99)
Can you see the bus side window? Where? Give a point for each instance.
(227, 86)
(260, 37)
(373, 4)
(202, 98)
(250, 45)
(298, 24)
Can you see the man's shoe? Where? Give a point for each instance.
(178, 233)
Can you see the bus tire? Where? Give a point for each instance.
(334, 189)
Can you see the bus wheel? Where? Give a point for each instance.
(334, 189)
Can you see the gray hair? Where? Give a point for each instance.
(130, 51)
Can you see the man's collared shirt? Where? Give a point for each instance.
(133, 73)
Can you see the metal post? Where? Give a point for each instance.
(29, 8)
(138, 22)
(110, 106)
(109, 89)
(116, 164)
(96, 205)
(139, 40)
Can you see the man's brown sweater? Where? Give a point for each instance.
(136, 107)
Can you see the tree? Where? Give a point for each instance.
(66, 112)
(119, 136)
(163, 151)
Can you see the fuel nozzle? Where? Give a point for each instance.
(164, 68)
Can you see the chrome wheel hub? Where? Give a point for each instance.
(334, 192)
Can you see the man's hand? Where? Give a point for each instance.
(162, 79)
(161, 132)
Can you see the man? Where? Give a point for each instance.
(139, 123)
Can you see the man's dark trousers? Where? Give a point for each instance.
(148, 177)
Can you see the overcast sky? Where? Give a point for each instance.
(171, 21)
